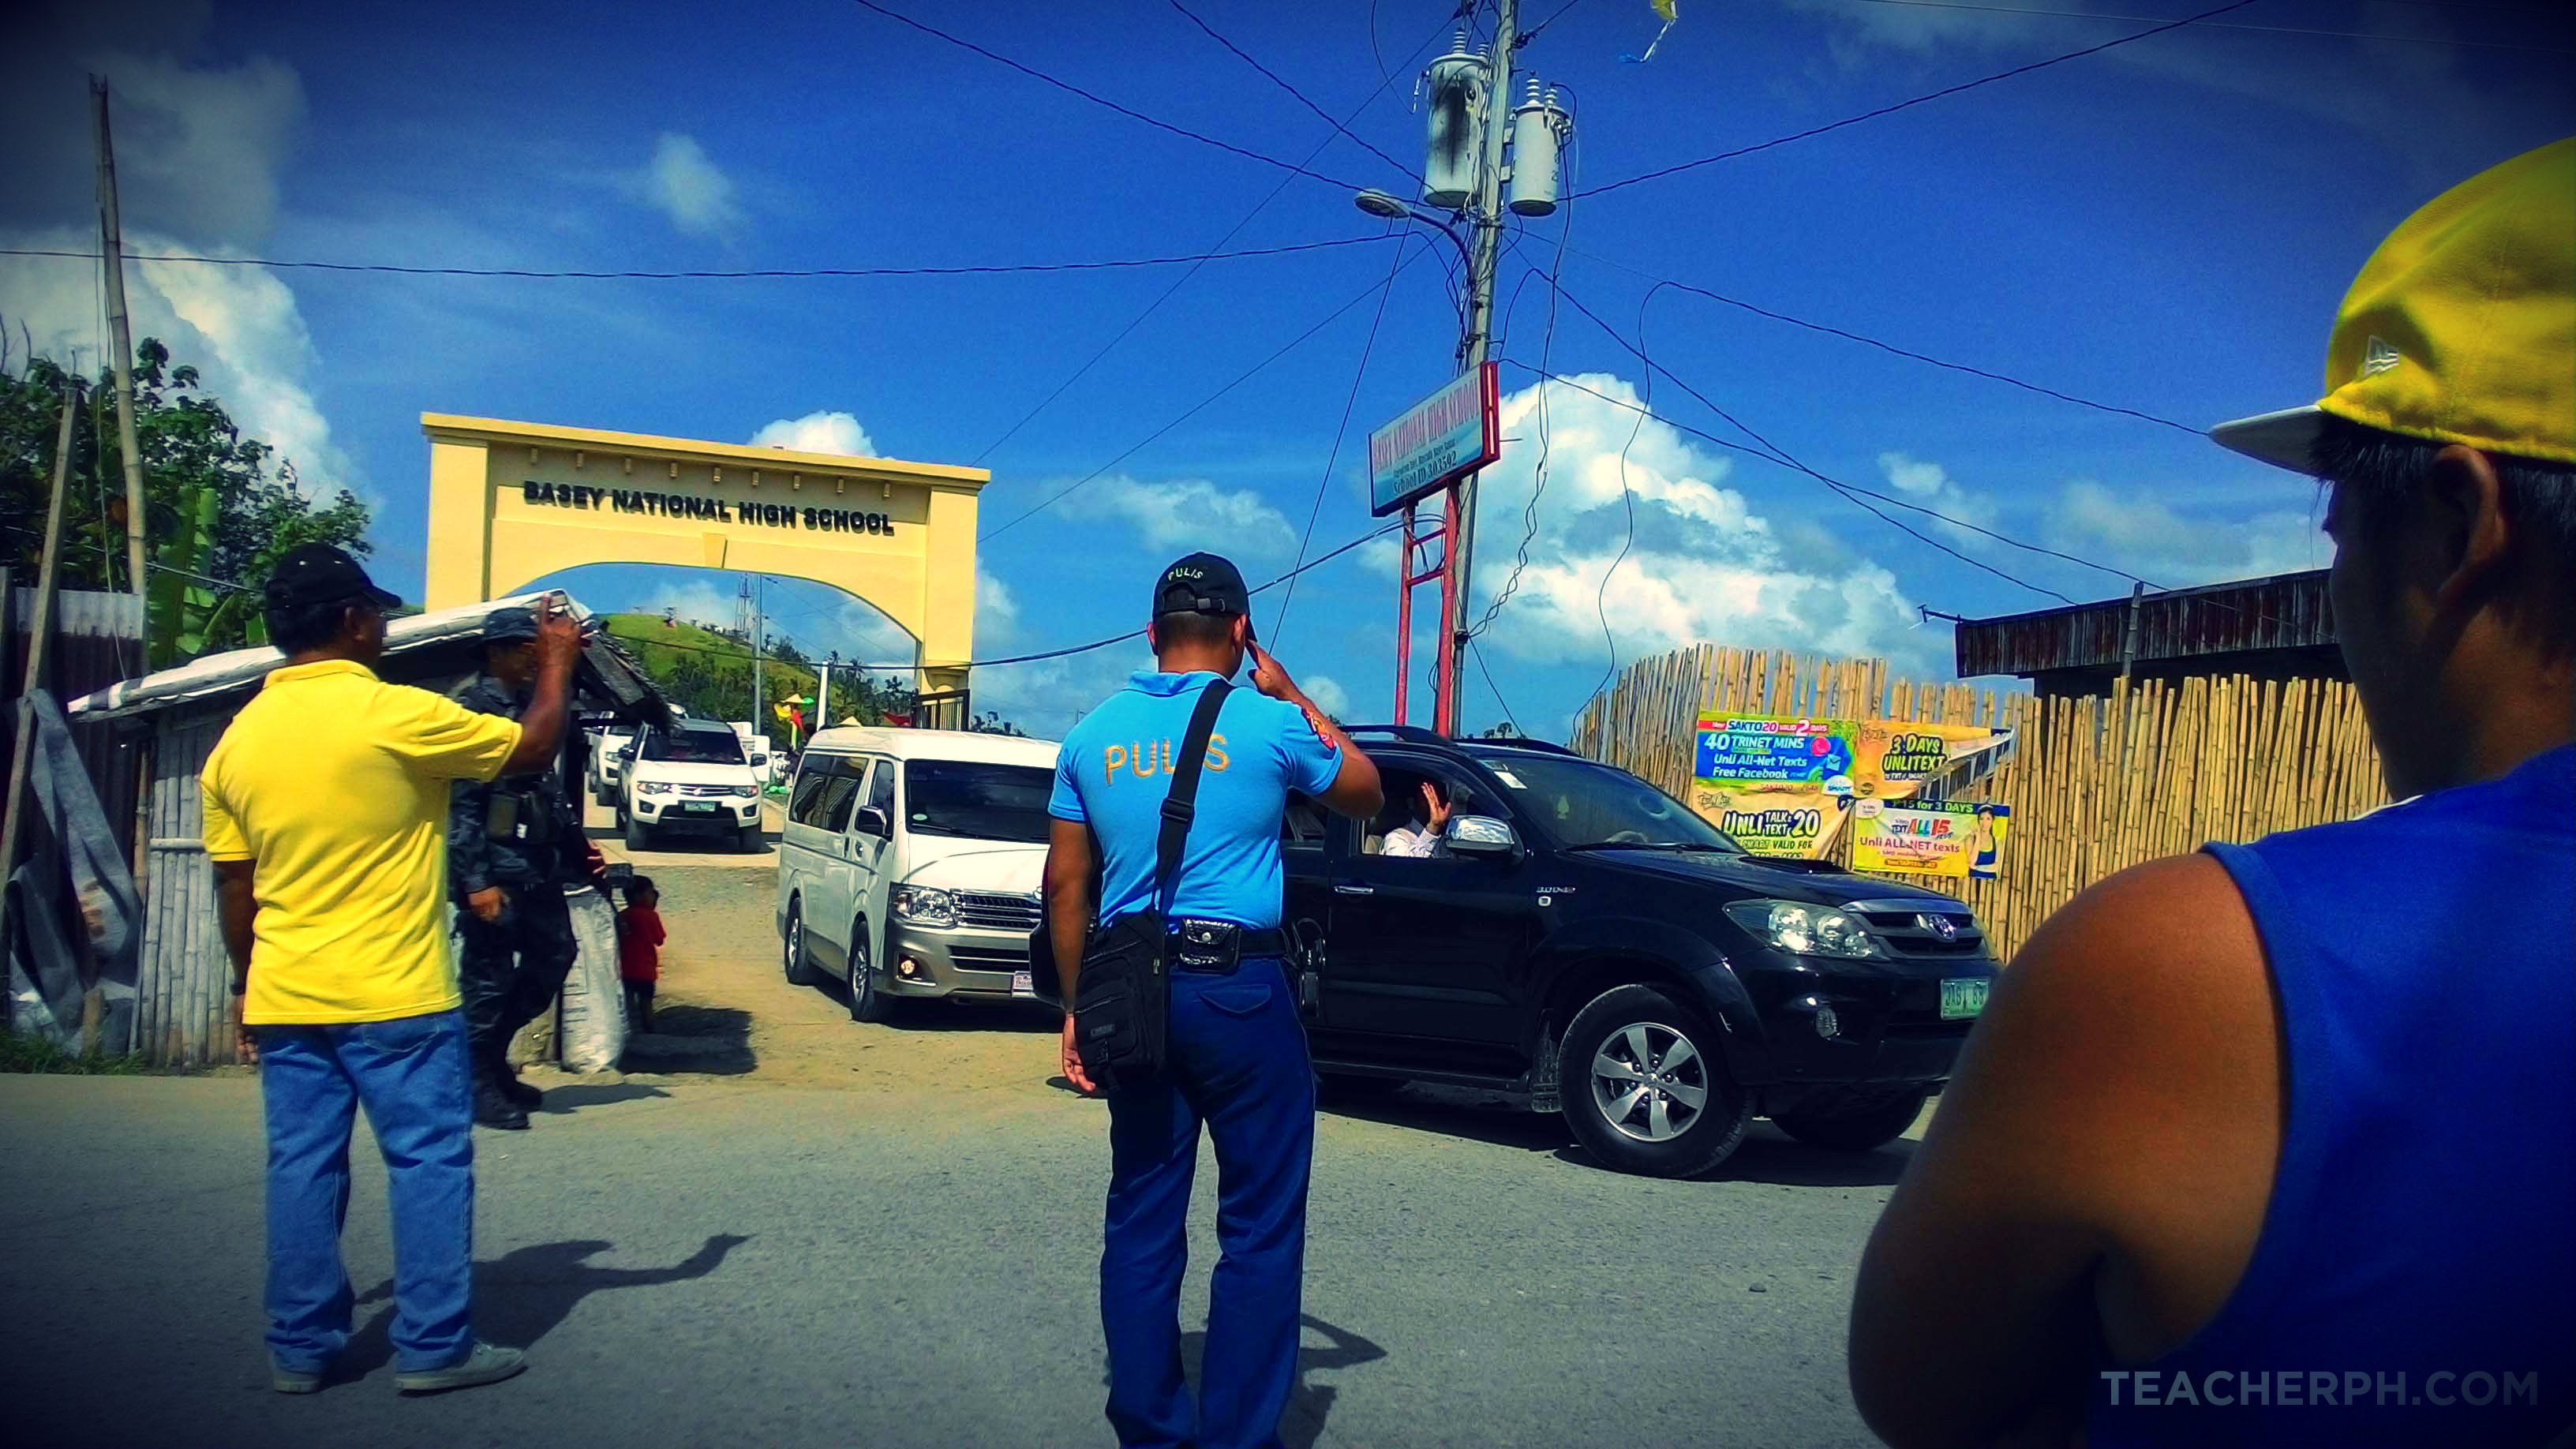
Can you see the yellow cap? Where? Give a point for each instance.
(2461, 328)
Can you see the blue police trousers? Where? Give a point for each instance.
(1237, 1061)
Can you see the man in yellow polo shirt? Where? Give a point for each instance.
(326, 819)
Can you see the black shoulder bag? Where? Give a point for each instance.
(1122, 1005)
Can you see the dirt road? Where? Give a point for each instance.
(725, 1010)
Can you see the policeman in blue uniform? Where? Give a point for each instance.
(1236, 1051)
(512, 846)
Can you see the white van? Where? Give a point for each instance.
(911, 864)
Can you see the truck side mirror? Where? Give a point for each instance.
(1482, 835)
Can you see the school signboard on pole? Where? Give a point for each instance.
(1437, 441)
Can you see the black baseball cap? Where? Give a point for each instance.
(510, 625)
(317, 573)
(1202, 583)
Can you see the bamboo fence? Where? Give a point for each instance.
(2095, 784)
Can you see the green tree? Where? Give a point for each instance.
(219, 508)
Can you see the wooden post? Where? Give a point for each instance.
(39, 635)
(112, 249)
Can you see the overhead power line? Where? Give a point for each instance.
(1324, 481)
(1100, 100)
(1300, 96)
(1889, 347)
(1855, 494)
(1309, 566)
(1183, 279)
(723, 275)
(1771, 452)
(1193, 410)
(2230, 25)
(1890, 110)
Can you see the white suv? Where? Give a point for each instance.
(690, 776)
(911, 863)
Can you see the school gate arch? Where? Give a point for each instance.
(512, 502)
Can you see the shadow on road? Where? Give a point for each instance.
(1456, 1112)
(1309, 1403)
(520, 1298)
(1023, 1017)
(1768, 1156)
(564, 1101)
(715, 1040)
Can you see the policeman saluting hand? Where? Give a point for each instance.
(1235, 1053)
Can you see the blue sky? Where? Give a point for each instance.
(2166, 226)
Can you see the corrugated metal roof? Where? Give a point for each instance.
(606, 671)
(2284, 611)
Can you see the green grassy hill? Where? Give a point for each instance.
(708, 674)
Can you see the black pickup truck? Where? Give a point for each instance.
(1587, 944)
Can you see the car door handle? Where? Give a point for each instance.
(1348, 888)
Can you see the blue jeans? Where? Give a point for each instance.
(411, 1075)
(1237, 1061)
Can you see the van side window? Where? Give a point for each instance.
(841, 797)
(881, 791)
(804, 807)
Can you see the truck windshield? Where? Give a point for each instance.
(977, 801)
(1582, 803)
(694, 747)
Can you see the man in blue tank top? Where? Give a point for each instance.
(2276, 1144)
(1236, 1054)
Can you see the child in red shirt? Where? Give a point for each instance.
(639, 953)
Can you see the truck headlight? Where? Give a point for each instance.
(1806, 930)
(746, 791)
(921, 906)
(654, 787)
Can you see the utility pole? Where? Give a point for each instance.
(751, 598)
(1473, 346)
(111, 242)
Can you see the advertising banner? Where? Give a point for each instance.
(1782, 786)
(1894, 760)
(1962, 839)
(1776, 785)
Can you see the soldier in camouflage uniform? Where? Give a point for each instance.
(512, 846)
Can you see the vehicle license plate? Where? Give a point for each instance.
(1021, 985)
(692, 807)
(1963, 996)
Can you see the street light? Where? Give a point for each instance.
(1391, 208)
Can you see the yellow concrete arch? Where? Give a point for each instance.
(511, 502)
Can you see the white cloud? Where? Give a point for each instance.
(696, 602)
(1328, 695)
(1930, 485)
(2144, 536)
(997, 613)
(239, 327)
(689, 188)
(818, 433)
(1189, 513)
(198, 148)
(1699, 563)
